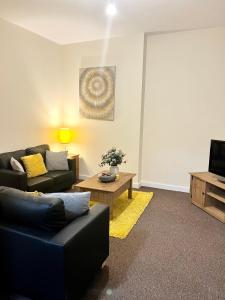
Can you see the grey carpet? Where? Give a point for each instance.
(176, 251)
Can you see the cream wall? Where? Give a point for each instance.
(30, 88)
(184, 104)
(94, 136)
(39, 92)
(183, 97)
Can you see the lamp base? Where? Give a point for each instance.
(65, 147)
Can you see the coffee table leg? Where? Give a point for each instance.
(130, 190)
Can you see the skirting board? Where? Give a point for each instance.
(157, 185)
(169, 187)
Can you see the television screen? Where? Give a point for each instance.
(217, 158)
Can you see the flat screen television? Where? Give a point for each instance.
(217, 158)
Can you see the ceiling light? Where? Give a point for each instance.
(111, 9)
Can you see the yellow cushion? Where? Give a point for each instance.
(34, 165)
(35, 193)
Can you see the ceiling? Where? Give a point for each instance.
(69, 21)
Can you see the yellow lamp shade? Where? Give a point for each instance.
(65, 135)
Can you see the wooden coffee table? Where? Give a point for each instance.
(107, 192)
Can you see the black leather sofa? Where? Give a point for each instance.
(53, 181)
(42, 258)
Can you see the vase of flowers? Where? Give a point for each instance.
(113, 158)
(114, 169)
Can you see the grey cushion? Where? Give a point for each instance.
(57, 160)
(16, 165)
(76, 204)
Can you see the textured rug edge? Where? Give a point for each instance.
(142, 209)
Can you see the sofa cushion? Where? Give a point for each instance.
(38, 149)
(61, 176)
(34, 165)
(76, 204)
(18, 207)
(16, 165)
(57, 161)
(5, 158)
(40, 183)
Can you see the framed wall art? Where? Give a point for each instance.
(97, 92)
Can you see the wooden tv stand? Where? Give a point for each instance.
(208, 193)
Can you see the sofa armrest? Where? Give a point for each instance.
(86, 246)
(31, 265)
(72, 167)
(13, 179)
(99, 212)
(48, 268)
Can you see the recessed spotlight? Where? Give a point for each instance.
(111, 9)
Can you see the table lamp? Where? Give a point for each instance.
(65, 136)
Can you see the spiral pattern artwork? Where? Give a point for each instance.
(97, 93)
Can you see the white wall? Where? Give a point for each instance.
(184, 99)
(30, 88)
(39, 92)
(184, 104)
(94, 136)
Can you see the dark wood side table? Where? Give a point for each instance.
(77, 159)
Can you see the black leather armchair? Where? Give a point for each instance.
(50, 265)
(53, 181)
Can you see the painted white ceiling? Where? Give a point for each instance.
(68, 21)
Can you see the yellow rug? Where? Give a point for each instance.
(127, 212)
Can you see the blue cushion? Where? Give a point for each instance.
(76, 204)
